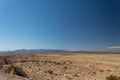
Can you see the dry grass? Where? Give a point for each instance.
(64, 66)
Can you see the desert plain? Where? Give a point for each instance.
(62, 66)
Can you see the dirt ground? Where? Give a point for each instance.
(65, 66)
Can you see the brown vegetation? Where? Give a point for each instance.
(61, 67)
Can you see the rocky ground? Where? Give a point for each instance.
(59, 66)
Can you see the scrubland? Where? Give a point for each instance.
(67, 66)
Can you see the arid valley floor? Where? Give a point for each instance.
(59, 66)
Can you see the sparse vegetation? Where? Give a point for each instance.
(109, 70)
(7, 61)
(53, 67)
(113, 77)
(65, 67)
(93, 73)
(16, 71)
(23, 61)
(1, 66)
(54, 62)
(34, 61)
(101, 70)
(49, 71)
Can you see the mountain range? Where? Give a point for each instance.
(49, 51)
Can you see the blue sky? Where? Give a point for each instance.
(60, 24)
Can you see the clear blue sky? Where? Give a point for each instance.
(59, 24)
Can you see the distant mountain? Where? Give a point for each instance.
(20, 51)
(36, 51)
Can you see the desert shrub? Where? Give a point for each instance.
(101, 70)
(7, 61)
(109, 70)
(34, 61)
(16, 71)
(54, 62)
(49, 71)
(113, 77)
(1, 67)
(65, 67)
(57, 63)
(93, 73)
(23, 61)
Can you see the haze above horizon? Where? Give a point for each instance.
(90, 25)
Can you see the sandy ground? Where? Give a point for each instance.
(4, 76)
(62, 66)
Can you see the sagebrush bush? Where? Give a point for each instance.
(49, 71)
(16, 71)
(113, 77)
